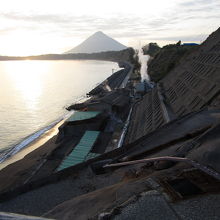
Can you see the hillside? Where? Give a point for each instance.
(151, 49)
(166, 59)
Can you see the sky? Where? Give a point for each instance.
(30, 27)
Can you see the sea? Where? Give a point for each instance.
(34, 95)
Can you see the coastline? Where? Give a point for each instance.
(168, 161)
(41, 157)
(34, 140)
(35, 144)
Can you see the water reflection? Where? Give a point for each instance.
(33, 94)
(27, 78)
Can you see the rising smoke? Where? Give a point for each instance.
(143, 59)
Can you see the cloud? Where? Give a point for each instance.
(196, 38)
(116, 23)
(193, 3)
(6, 30)
(184, 20)
(35, 18)
(200, 6)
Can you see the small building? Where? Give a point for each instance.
(190, 44)
(142, 88)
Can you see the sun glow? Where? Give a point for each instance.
(29, 27)
(29, 42)
(27, 76)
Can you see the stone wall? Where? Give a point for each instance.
(194, 84)
(147, 115)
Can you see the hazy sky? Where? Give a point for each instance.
(54, 26)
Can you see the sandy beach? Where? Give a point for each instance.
(21, 165)
(32, 146)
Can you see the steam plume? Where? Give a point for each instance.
(143, 59)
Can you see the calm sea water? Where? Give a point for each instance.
(34, 94)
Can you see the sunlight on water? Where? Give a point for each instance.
(34, 94)
(27, 78)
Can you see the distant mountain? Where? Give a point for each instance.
(98, 42)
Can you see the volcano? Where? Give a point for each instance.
(98, 42)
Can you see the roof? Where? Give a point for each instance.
(81, 151)
(78, 115)
(190, 44)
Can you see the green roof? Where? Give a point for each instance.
(91, 155)
(82, 150)
(77, 116)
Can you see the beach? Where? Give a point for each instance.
(44, 138)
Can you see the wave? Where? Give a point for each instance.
(5, 154)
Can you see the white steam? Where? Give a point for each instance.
(143, 59)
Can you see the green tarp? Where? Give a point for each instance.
(82, 150)
(78, 116)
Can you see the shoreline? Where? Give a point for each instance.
(14, 143)
(41, 157)
(40, 140)
(32, 146)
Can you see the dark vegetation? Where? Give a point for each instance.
(151, 49)
(167, 58)
(115, 56)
